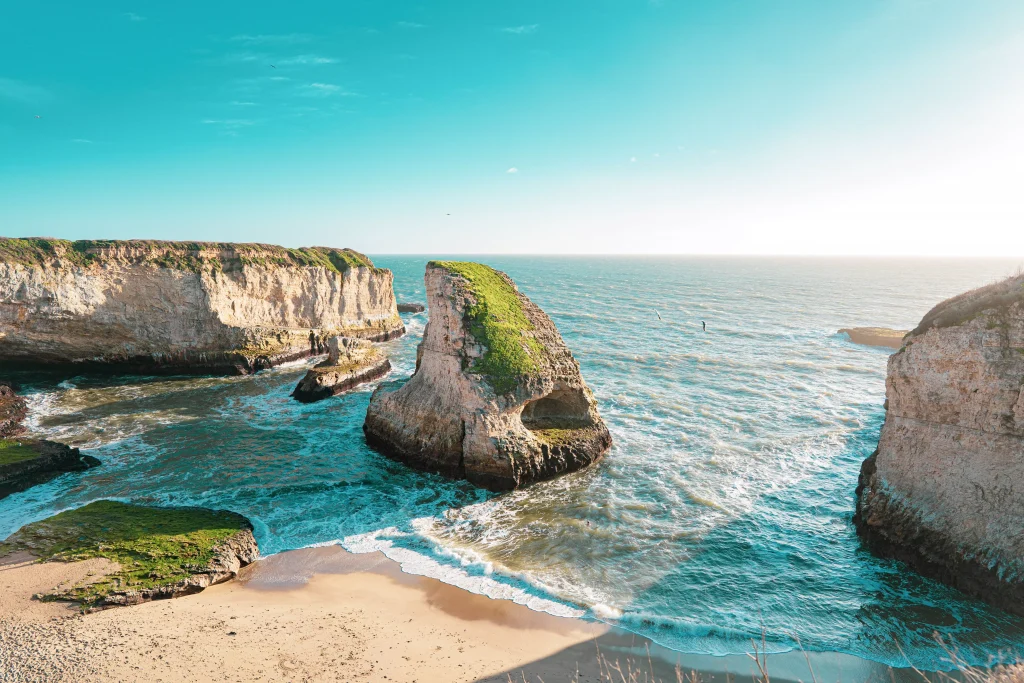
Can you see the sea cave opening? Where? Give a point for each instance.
(561, 409)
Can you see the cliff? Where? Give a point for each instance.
(497, 398)
(349, 363)
(13, 410)
(945, 489)
(184, 306)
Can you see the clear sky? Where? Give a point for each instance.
(537, 126)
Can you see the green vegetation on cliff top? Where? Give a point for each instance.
(153, 546)
(187, 256)
(12, 451)
(498, 321)
(998, 296)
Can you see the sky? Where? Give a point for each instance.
(841, 127)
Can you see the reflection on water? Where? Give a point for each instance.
(723, 506)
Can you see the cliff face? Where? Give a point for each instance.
(945, 489)
(185, 305)
(497, 397)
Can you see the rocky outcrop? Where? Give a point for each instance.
(497, 398)
(350, 362)
(184, 306)
(13, 410)
(24, 463)
(945, 490)
(410, 308)
(875, 336)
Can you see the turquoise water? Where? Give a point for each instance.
(723, 507)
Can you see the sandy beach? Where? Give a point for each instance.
(322, 614)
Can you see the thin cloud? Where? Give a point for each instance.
(132, 16)
(82, 141)
(523, 30)
(410, 24)
(25, 93)
(229, 124)
(236, 103)
(301, 60)
(512, 170)
(327, 90)
(271, 39)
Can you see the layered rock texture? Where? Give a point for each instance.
(875, 336)
(185, 306)
(27, 462)
(497, 398)
(154, 552)
(945, 489)
(13, 410)
(349, 363)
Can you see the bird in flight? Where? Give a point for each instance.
(38, 116)
(272, 66)
(657, 314)
(704, 325)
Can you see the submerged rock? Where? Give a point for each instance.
(944, 492)
(497, 397)
(151, 306)
(157, 552)
(13, 410)
(350, 362)
(875, 336)
(410, 308)
(24, 463)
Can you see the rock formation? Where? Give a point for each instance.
(410, 308)
(875, 336)
(154, 552)
(184, 306)
(497, 397)
(12, 411)
(945, 490)
(27, 462)
(350, 362)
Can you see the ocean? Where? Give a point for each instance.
(722, 511)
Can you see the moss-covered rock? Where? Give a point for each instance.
(158, 552)
(27, 462)
(497, 397)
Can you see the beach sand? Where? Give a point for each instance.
(322, 614)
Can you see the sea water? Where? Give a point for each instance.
(723, 509)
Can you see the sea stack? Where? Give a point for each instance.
(944, 491)
(152, 306)
(497, 398)
(349, 363)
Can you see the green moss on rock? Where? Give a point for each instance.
(498, 321)
(185, 256)
(12, 451)
(152, 546)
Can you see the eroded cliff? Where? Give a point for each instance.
(193, 306)
(497, 397)
(945, 489)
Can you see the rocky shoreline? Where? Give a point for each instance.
(13, 411)
(25, 463)
(350, 362)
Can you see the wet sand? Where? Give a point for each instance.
(322, 614)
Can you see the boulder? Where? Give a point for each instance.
(497, 398)
(944, 491)
(350, 362)
(410, 308)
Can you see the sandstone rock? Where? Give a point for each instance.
(27, 462)
(184, 306)
(497, 397)
(410, 308)
(12, 411)
(945, 489)
(350, 362)
(875, 336)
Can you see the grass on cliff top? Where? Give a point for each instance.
(497, 320)
(186, 256)
(153, 546)
(12, 451)
(967, 306)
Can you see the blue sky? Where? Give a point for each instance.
(598, 126)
